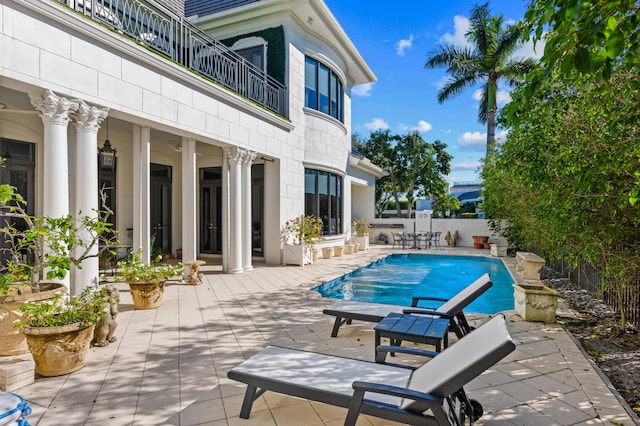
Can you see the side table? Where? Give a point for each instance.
(413, 328)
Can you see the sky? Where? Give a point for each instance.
(395, 41)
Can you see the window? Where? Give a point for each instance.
(323, 89)
(254, 55)
(323, 198)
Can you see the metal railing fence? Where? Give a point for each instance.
(156, 27)
(589, 278)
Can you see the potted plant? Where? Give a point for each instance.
(298, 238)
(40, 249)
(146, 281)
(361, 236)
(59, 331)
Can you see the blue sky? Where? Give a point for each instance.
(395, 40)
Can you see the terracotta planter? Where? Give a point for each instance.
(147, 295)
(480, 241)
(327, 252)
(14, 342)
(348, 248)
(59, 350)
(535, 302)
(337, 251)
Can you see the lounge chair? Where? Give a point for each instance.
(428, 395)
(346, 311)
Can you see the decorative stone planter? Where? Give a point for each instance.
(363, 241)
(356, 247)
(327, 252)
(498, 250)
(348, 248)
(147, 295)
(59, 350)
(535, 302)
(297, 254)
(14, 342)
(337, 251)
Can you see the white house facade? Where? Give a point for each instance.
(213, 153)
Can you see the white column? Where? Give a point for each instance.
(189, 200)
(234, 157)
(54, 112)
(87, 121)
(141, 190)
(247, 228)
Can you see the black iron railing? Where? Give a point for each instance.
(161, 30)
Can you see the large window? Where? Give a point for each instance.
(323, 89)
(323, 198)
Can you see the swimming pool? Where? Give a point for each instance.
(398, 277)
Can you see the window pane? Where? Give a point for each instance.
(310, 85)
(254, 55)
(310, 193)
(334, 96)
(323, 200)
(323, 89)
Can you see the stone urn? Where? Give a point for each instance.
(147, 295)
(12, 341)
(535, 302)
(59, 350)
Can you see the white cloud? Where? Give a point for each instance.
(364, 89)
(377, 124)
(478, 141)
(473, 140)
(423, 126)
(460, 26)
(465, 165)
(528, 51)
(403, 45)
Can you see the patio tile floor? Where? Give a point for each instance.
(169, 365)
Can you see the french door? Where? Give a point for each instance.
(160, 214)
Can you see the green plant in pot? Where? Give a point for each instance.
(361, 233)
(146, 280)
(59, 331)
(40, 248)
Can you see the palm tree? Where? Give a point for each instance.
(488, 60)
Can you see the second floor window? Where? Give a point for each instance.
(323, 89)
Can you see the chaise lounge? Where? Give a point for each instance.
(431, 394)
(346, 311)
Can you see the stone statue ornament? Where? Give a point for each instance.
(106, 327)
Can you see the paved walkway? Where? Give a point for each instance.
(169, 364)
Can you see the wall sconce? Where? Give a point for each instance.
(106, 154)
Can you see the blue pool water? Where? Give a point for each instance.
(398, 277)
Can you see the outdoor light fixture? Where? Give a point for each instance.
(107, 155)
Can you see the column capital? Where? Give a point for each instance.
(87, 117)
(248, 156)
(53, 109)
(234, 153)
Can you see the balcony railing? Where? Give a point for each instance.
(159, 29)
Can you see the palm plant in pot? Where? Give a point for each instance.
(59, 331)
(298, 238)
(361, 237)
(40, 249)
(146, 281)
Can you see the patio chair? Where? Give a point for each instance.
(425, 239)
(436, 239)
(400, 238)
(431, 394)
(346, 311)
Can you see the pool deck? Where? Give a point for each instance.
(169, 364)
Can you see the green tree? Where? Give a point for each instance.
(567, 179)
(593, 37)
(445, 203)
(488, 61)
(415, 167)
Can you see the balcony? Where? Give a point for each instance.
(167, 34)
